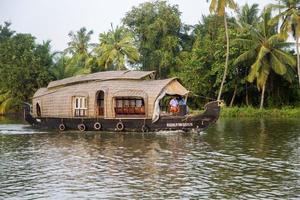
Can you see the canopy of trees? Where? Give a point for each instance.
(261, 68)
(156, 27)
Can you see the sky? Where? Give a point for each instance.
(54, 19)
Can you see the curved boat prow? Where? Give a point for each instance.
(212, 109)
(210, 115)
(27, 114)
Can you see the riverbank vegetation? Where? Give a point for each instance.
(284, 112)
(244, 58)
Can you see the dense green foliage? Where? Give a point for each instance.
(115, 47)
(23, 67)
(260, 66)
(157, 29)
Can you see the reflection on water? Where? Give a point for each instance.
(241, 159)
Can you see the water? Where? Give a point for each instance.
(234, 159)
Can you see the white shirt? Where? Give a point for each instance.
(174, 102)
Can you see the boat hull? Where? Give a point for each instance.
(171, 122)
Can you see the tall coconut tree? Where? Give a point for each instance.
(289, 13)
(80, 41)
(115, 48)
(218, 7)
(79, 48)
(264, 50)
(247, 17)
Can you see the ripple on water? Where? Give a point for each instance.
(15, 129)
(216, 165)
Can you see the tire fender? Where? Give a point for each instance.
(120, 126)
(97, 126)
(81, 127)
(145, 128)
(62, 127)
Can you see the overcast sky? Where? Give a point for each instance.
(54, 19)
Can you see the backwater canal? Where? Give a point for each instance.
(233, 159)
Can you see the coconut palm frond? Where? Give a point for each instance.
(277, 65)
(246, 56)
(242, 42)
(263, 74)
(231, 4)
(213, 6)
(289, 75)
(275, 39)
(285, 57)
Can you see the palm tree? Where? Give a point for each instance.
(79, 47)
(62, 68)
(116, 46)
(264, 50)
(247, 15)
(290, 14)
(218, 7)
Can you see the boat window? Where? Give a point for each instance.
(132, 103)
(126, 103)
(77, 103)
(130, 106)
(119, 103)
(100, 103)
(80, 107)
(38, 110)
(139, 102)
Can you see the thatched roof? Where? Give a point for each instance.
(106, 75)
(126, 86)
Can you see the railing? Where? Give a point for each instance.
(80, 112)
(130, 110)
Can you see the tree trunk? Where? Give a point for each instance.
(233, 96)
(298, 58)
(247, 97)
(227, 58)
(159, 71)
(262, 96)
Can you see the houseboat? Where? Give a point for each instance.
(116, 101)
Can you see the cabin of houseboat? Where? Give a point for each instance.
(107, 98)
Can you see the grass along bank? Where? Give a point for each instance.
(285, 112)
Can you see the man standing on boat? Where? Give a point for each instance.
(183, 108)
(174, 105)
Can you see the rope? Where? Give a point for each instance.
(204, 97)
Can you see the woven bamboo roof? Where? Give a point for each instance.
(150, 87)
(105, 75)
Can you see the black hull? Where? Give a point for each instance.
(186, 123)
